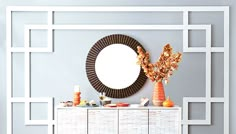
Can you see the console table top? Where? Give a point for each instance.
(131, 107)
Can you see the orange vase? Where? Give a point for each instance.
(76, 98)
(158, 96)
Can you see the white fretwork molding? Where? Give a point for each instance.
(185, 27)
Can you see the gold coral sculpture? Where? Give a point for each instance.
(163, 68)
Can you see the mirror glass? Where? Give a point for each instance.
(113, 63)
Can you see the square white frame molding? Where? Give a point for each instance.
(185, 28)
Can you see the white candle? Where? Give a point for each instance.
(76, 88)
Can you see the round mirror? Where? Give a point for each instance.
(111, 66)
(113, 63)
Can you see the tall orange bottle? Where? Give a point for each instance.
(76, 95)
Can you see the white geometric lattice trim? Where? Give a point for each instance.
(185, 28)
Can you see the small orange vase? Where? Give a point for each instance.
(158, 96)
(76, 98)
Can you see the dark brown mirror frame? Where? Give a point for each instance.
(90, 66)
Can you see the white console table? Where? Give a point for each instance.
(120, 120)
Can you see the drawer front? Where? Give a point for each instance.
(103, 121)
(72, 121)
(164, 122)
(133, 121)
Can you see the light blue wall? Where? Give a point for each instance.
(60, 70)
